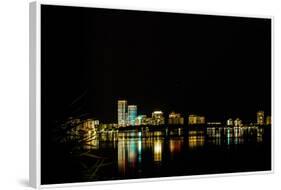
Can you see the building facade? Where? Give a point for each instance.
(237, 122)
(260, 118)
(175, 119)
(132, 115)
(157, 118)
(140, 120)
(229, 122)
(122, 113)
(196, 120)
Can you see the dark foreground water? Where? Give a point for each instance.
(144, 153)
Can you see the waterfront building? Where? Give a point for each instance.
(132, 115)
(140, 120)
(88, 124)
(122, 113)
(96, 122)
(237, 122)
(229, 122)
(147, 121)
(157, 118)
(260, 117)
(175, 119)
(268, 120)
(196, 120)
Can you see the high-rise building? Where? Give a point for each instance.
(157, 118)
(132, 115)
(122, 112)
(195, 120)
(260, 117)
(175, 119)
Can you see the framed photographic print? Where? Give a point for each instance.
(125, 94)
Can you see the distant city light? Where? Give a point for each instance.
(260, 117)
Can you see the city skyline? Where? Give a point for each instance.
(128, 116)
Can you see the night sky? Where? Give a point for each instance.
(215, 66)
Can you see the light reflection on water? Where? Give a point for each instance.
(133, 147)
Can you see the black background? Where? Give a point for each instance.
(216, 66)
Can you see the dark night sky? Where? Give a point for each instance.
(211, 65)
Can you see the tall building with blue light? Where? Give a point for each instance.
(132, 114)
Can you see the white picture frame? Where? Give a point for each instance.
(35, 96)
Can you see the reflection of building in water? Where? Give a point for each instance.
(175, 119)
(175, 145)
(196, 119)
(127, 153)
(260, 133)
(157, 150)
(139, 149)
(214, 132)
(229, 122)
(260, 117)
(122, 112)
(132, 114)
(121, 157)
(158, 118)
(132, 153)
(196, 139)
(141, 120)
(108, 126)
(238, 132)
(237, 122)
(268, 120)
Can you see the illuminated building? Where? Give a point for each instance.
(260, 117)
(237, 122)
(88, 124)
(157, 118)
(140, 120)
(96, 122)
(122, 112)
(229, 122)
(268, 120)
(132, 114)
(147, 121)
(175, 119)
(195, 120)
